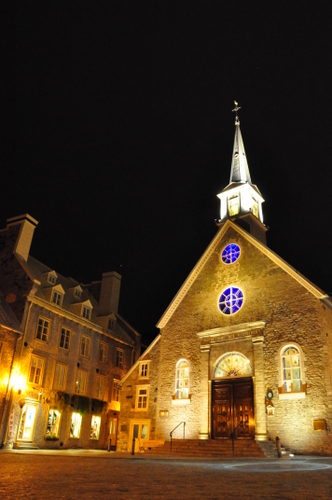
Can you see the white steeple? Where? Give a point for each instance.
(241, 200)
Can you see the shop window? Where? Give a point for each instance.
(292, 373)
(36, 370)
(142, 395)
(99, 387)
(80, 383)
(182, 380)
(53, 424)
(43, 329)
(230, 253)
(119, 358)
(65, 338)
(95, 427)
(102, 352)
(60, 376)
(231, 300)
(144, 369)
(75, 427)
(85, 346)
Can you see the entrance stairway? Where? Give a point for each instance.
(208, 448)
(25, 445)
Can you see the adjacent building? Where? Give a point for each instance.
(63, 349)
(245, 347)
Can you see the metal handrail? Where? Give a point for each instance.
(184, 431)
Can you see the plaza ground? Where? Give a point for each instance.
(82, 474)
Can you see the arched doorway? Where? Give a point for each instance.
(232, 398)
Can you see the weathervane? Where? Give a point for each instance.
(235, 110)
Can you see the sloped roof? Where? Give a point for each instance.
(7, 317)
(313, 289)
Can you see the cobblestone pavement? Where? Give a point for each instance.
(99, 475)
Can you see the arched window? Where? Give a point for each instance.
(182, 380)
(232, 364)
(292, 379)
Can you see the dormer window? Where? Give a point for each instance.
(234, 205)
(77, 293)
(86, 312)
(52, 279)
(57, 298)
(110, 324)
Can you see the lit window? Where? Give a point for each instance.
(60, 376)
(43, 329)
(99, 387)
(182, 380)
(291, 369)
(36, 370)
(57, 298)
(119, 359)
(85, 346)
(142, 397)
(102, 352)
(232, 364)
(230, 253)
(75, 428)
(86, 312)
(116, 390)
(80, 382)
(144, 369)
(53, 423)
(95, 427)
(231, 300)
(234, 205)
(255, 208)
(65, 338)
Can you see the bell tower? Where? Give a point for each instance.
(241, 201)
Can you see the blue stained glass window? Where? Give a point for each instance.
(230, 253)
(231, 300)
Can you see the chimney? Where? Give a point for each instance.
(109, 293)
(25, 225)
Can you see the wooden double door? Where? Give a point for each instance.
(233, 409)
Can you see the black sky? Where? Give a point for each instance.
(118, 134)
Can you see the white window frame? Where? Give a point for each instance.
(179, 381)
(142, 400)
(99, 389)
(86, 312)
(57, 385)
(81, 381)
(143, 370)
(66, 338)
(291, 395)
(57, 298)
(39, 360)
(43, 329)
(85, 346)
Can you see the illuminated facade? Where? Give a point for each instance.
(245, 346)
(64, 349)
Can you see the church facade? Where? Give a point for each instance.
(245, 347)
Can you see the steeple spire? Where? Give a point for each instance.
(239, 167)
(241, 201)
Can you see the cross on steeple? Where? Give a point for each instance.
(235, 110)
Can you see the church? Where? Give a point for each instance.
(245, 347)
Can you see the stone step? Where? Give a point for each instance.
(25, 445)
(208, 448)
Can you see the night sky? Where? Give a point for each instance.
(117, 134)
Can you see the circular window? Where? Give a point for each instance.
(231, 300)
(230, 253)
